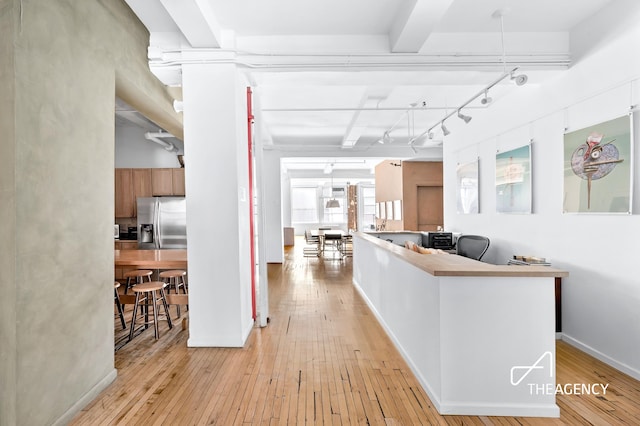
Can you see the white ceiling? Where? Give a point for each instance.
(332, 76)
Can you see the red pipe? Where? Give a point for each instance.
(251, 224)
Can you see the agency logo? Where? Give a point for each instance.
(520, 372)
(546, 363)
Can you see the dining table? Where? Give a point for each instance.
(326, 236)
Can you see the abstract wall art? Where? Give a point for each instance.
(597, 168)
(513, 180)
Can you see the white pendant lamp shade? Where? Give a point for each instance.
(333, 203)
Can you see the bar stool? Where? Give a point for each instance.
(175, 278)
(116, 299)
(150, 294)
(137, 276)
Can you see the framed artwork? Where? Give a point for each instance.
(513, 180)
(383, 210)
(467, 188)
(389, 208)
(597, 168)
(397, 210)
(378, 211)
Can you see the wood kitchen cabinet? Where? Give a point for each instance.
(168, 182)
(124, 195)
(126, 245)
(162, 181)
(133, 183)
(178, 182)
(141, 186)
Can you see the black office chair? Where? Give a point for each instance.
(472, 246)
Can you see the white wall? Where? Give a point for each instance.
(134, 151)
(601, 297)
(216, 179)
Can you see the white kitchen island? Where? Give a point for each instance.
(479, 337)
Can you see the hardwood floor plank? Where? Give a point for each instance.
(322, 360)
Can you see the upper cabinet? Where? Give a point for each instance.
(162, 182)
(141, 186)
(168, 182)
(133, 183)
(124, 198)
(178, 182)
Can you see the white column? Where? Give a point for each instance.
(216, 175)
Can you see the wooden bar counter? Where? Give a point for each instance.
(479, 337)
(151, 259)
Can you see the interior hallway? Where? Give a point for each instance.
(323, 359)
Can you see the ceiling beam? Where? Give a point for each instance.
(196, 21)
(360, 121)
(414, 23)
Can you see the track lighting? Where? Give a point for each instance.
(445, 131)
(463, 117)
(519, 79)
(486, 99)
(386, 138)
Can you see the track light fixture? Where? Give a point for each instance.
(386, 138)
(485, 99)
(519, 79)
(463, 117)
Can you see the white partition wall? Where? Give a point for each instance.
(470, 340)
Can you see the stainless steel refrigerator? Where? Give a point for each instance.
(162, 223)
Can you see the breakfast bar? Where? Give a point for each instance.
(479, 337)
(151, 259)
(154, 260)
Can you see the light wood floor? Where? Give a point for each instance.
(323, 359)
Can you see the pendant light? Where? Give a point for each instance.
(332, 203)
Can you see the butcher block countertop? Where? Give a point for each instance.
(152, 259)
(443, 264)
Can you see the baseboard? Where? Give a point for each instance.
(547, 410)
(602, 357)
(86, 399)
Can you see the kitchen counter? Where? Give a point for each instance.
(151, 259)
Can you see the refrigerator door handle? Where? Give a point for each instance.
(157, 222)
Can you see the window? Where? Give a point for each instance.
(304, 205)
(368, 209)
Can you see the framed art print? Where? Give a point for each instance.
(467, 188)
(597, 168)
(513, 180)
(397, 209)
